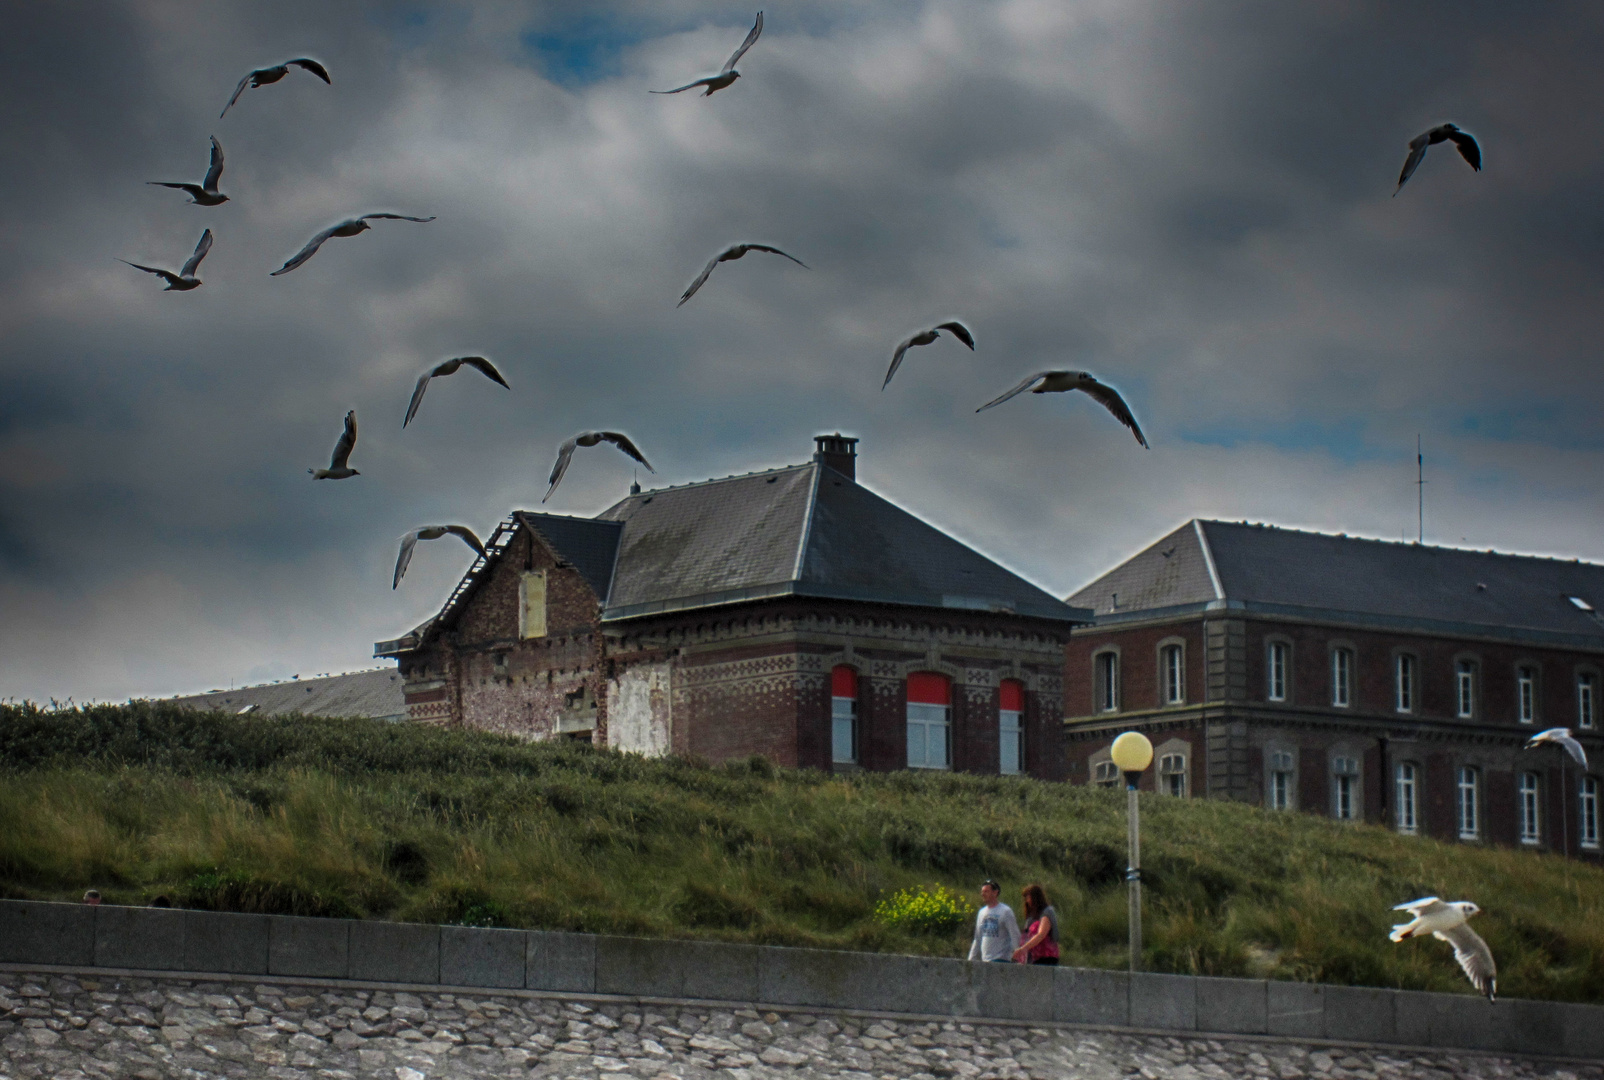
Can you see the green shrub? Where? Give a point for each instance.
(920, 910)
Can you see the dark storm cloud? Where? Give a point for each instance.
(1194, 203)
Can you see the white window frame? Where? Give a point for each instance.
(1526, 694)
(1106, 680)
(1172, 775)
(1341, 677)
(928, 720)
(844, 730)
(1406, 810)
(1279, 796)
(1174, 667)
(1529, 805)
(1468, 802)
(1346, 791)
(1275, 670)
(1105, 774)
(1404, 683)
(1586, 700)
(1587, 812)
(1465, 689)
(1010, 737)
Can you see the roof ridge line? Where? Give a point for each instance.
(807, 522)
(1208, 558)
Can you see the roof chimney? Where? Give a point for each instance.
(837, 452)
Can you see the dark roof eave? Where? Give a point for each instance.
(1066, 614)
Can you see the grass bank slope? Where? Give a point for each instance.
(363, 819)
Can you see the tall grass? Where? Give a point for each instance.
(363, 819)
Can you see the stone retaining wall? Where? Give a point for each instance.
(153, 939)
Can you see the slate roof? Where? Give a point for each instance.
(589, 545)
(1265, 568)
(374, 694)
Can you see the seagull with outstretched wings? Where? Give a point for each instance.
(349, 227)
(565, 453)
(730, 254)
(1561, 737)
(727, 74)
(204, 193)
(264, 76)
(449, 367)
(432, 532)
(1468, 149)
(1053, 382)
(185, 279)
(925, 337)
(1446, 921)
(340, 461)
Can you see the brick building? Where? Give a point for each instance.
(1355, 678)
(791, 613)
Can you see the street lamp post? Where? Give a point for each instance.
(1132, 754)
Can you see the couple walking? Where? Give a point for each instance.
(997, 937)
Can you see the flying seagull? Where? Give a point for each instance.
(1446, 922)
(1468, 149)
(1052, 382)
(431, 532)
(1559, 736)
(727, 74)
(185, 279)
(204, 193)
(345, 228)
(565, 453)
(925, 337)
(339, 463)
(730, 254)
(263, 76)
(449, 367)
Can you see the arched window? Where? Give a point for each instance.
(1404, 682)
(1588, 812)
(1586, 699)
(1172, 775)
(1345, 789)
(1468, 803)
(1275, 671)
(929, 721)
(843, 715)
(1105, 675)
(1531, 831)
(1465, 689)
(1408, 785)
(1282, 774)
(1173, 665)
(1341, 677)
(1526, 694)
(1011, 727)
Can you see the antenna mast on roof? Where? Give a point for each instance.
(1420, 488)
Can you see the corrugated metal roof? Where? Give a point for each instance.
(374, 694)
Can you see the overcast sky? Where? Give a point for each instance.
(1193, 202)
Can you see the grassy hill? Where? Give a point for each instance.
(364, 819)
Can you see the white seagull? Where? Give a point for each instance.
(565, 453)
(1052, 382)
(431, 532)
(449, 367)
(185, 279)
(1468, 149)
(1559, 736)
(727, 74)
(340, 461)
(1447, 922)
(263, 76)
(925, 337)
(204, 193)
(730, 254)
(345, 228)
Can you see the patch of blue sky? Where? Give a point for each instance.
(1569, 426)
(1346, 440)
(585, 49)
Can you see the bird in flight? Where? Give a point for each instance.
(204, 193)
(185, 279)
(727, 74)
(432, 532)
(340, 462)
(263, 76)
(345, 228)
(449, 367)
(1559, 736)
(1468, 149)
(1052, 382)
(730, 254)
(1447, 922)
(925, 337)
(565, 453)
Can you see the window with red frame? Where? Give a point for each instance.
(843, 715)
(1011, 727)
(929, 721)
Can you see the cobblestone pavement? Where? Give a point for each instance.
(76, 1028)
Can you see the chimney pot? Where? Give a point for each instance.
(838, 452)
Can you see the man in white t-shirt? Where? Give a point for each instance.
(996, 929)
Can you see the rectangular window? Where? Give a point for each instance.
(1469, 804)
(1465, 688)
(1174, 675)
(1408, 812)
(1172, 775)
(929, 721)
(1406, 684)
(1345, 788)
(1530, 825)
(1010, 728)
(1588, 811)
(1341, 677)
(1107, 669)
(1586, 700)
(1104, 774)
(1526, 694)
(1280, 793)
(1277, 688)
(844, 716)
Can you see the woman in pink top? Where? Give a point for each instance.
(1041, 929)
